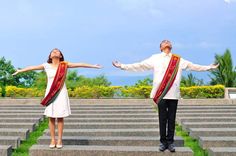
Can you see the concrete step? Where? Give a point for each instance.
(180, 120)
(31, 126)
(21, 111)
(207, 107)
(14, 141)
(112, 125)
(222, 151)
(22, 115)
(43, 150)
(22, 133)
(206, 111)
(14, 120)
(215, 141)
(187, 125)
(143, 115)
(83, 120)
(108, 132)
(111, 141)
(5, 150)
(228, 114)
(22, 108)
(197, 132)
(21, 105)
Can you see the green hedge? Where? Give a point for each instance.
(216, 91)
(117, 91)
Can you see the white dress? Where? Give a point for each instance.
(60, 108)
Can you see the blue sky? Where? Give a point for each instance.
(99, 31)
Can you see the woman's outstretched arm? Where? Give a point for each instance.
(39, 67)
(83, 65)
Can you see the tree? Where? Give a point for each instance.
(145, 82)
(226, 73)
(190, 80)
(26, 79)
(40, 81)
(74, 80)
(6, 69)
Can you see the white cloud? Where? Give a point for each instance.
(144, 7)
(229, 1)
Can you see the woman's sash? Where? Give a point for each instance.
(57, 84)
(168, 78)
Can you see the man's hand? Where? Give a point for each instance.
(214, 66)
(117, 64)
(97, 66)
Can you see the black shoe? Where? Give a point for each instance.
(162, 147)
(171, 147)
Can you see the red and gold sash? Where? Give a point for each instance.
(57, 84)
(168, 78)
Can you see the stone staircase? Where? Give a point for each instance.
(213, 125)
(16, 123)
(119, 127)
(109, 128)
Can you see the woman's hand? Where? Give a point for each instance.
(17, 72)
(116, 64)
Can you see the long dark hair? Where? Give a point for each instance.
(50, 60)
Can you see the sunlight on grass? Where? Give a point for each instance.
(190, 142)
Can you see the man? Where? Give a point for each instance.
(167, 69)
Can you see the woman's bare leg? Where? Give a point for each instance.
(60, 124)
(52, 130)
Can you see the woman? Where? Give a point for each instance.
(60, 107)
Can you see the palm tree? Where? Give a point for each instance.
(226, 73)
(190, 80)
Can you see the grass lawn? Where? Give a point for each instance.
(190, 142)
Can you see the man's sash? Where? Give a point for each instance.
(57, 84)
(168, 78)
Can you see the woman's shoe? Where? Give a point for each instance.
(59, 146)
(52, 146)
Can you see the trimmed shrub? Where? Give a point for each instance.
(216, 91)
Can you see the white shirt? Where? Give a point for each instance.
(159, 63)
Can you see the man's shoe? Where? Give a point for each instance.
(171, 147)
(162, 147)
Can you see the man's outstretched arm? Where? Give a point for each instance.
(197, 67)
(140, 66)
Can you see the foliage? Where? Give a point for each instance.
(113, 91)
(216, 91)
(226, 73)
(136, 91)
(6, 68)
(190, 80)
(190, 142)
(6, 78)
(145, 82)
(40, 81)
(74, 80)
(93, 92)
(13, 91)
